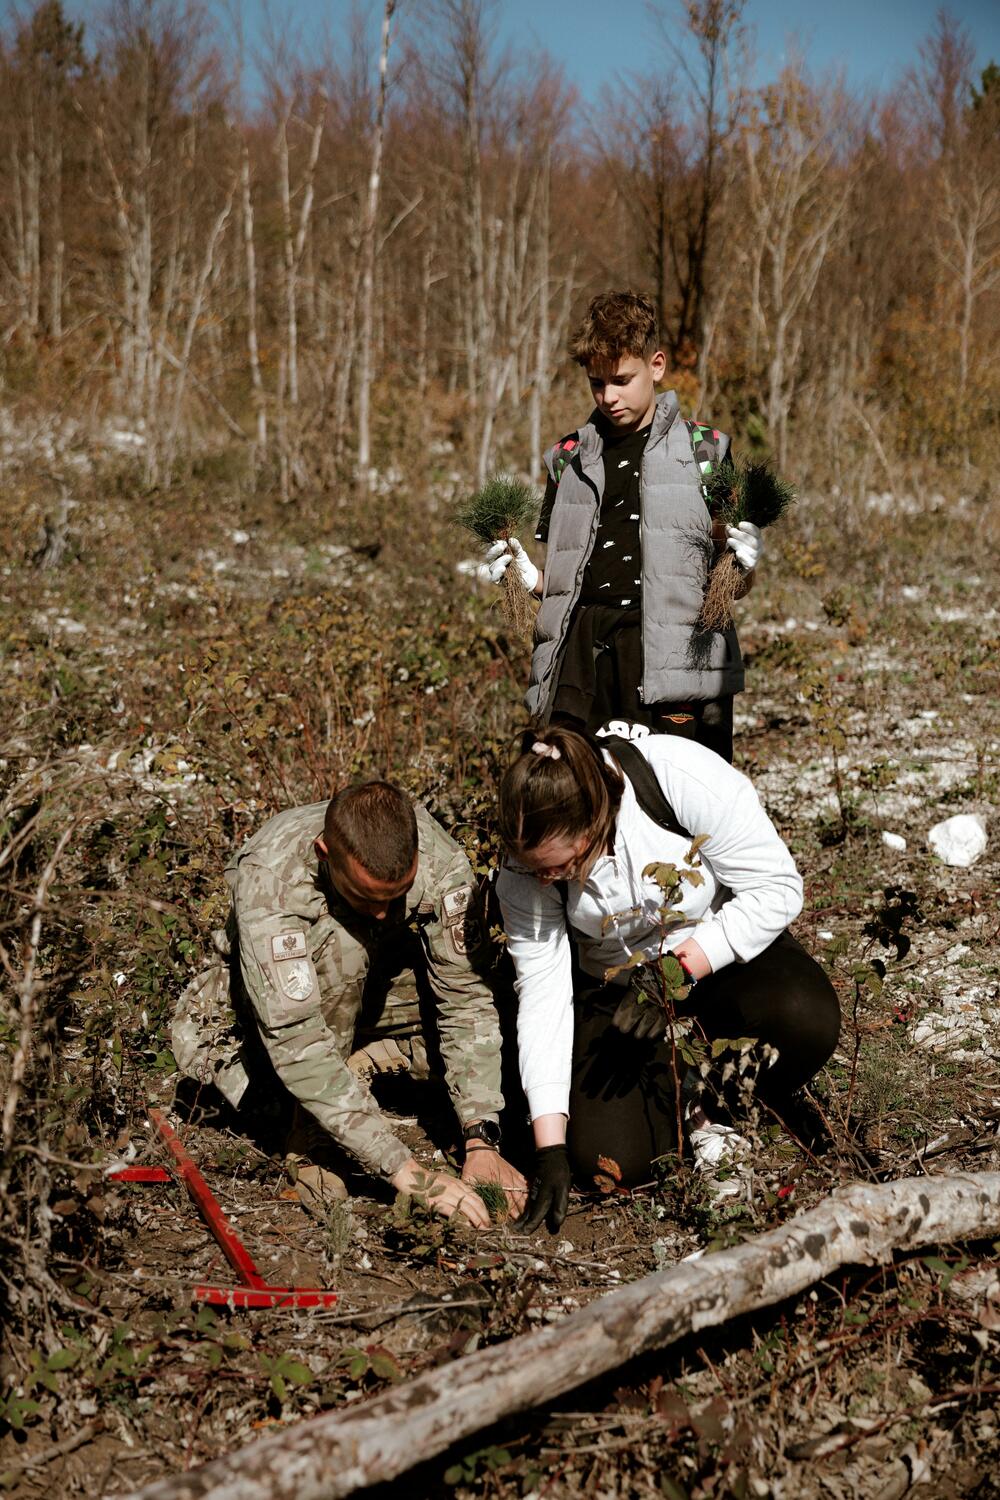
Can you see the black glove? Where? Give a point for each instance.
(548, 1196)
(640, 1013)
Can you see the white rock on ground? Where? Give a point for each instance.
(959, 841)
(893, 841)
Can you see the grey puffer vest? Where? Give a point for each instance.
(680, 661)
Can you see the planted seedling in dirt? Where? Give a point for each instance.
(747, 490)
(495, 1198)
(496, 513)
(369, 1366)
(284, 1370)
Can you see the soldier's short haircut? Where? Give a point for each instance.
(616, 325)
(375, 824)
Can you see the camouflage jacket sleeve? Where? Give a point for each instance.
(456, 945)
(282, 986)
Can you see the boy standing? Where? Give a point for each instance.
(630, 543)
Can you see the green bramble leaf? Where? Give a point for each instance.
(63, 1359)
(673, 974)
(384, 1365)
(16, 1411)
(946, 1270)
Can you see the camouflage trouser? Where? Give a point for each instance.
(213, 1043)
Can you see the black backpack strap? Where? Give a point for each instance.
(648, 792)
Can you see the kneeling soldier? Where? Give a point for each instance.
(327, 901)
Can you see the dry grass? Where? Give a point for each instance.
(165, 688)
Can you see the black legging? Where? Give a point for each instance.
(623, 1092)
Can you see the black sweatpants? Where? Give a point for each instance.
(600, 679)
(623, 1092)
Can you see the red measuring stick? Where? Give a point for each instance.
(140, 1174)
(225, 1235)
(264, 1296)
(254, 1291)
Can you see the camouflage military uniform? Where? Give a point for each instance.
(308, 976)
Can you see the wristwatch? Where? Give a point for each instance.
(483, 1130)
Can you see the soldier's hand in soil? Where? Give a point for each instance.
(445, 1194)
(640, 1014)
(746, 544)
(485, 1165)
(548, 1196)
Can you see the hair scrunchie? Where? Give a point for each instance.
(550, 752)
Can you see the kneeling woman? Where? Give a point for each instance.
(595, 1064)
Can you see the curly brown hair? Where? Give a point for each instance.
(616, 325)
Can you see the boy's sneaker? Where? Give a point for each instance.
(715, 1146)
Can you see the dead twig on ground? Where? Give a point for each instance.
(45, 1456)
(27, 995)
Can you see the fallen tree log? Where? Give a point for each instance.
(345, 1451)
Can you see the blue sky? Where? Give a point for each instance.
(874, 41)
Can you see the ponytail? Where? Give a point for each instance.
(559, 785)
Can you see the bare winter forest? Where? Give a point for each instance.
(253, 350)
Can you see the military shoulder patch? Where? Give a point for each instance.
(455, 903)
(287, 945)
(296, 979)
(463, 925)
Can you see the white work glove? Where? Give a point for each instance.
(499, 558)
(746, 544)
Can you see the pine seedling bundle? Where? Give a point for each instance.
(746, 490)
(496, 513)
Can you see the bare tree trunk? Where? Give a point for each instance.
(970, 251)
(797, 193)
(291, 312)
(133, 213)
(368, 249)
(469, 44)
(541, 379)
(194, 315)
(427, 281)
(33, 222)
(253, 349)
(344, 366)
(337, 1454)
(20, 240)
(57, 248)
(294, 242)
